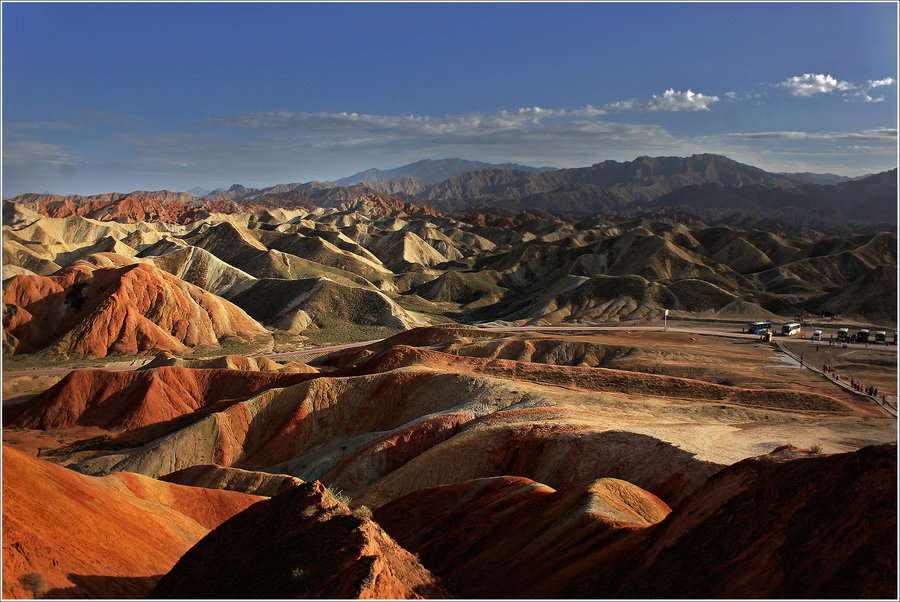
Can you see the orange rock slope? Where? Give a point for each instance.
(125, 401)
(85, 310)
(302, 543)
(134, 208)
(67, 535)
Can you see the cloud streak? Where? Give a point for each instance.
(29, 152)
(670, 100)
(535, 132)
(878, 134)
(525, 133)
(400, 124)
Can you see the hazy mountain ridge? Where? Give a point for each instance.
(711, 187)
(869, 199)
(641, 180)
(807, 177)
(432, 171)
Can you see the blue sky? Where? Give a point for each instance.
(101, 97)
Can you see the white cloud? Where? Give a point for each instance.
(731, 95)
(812, 83)
(877, 83)
(669, 101)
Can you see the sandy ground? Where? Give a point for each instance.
(19, 389)
(746, 362)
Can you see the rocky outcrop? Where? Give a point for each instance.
(302, 543)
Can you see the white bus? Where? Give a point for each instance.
(790, 329)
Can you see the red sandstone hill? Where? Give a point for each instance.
(302, 543)
(497, 537)
(66, 535)
(786, 525)
(132, 208)
(126, 401)
(766, 527)
(86, 310)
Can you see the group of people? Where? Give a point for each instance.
(857, 386)
(854, 384)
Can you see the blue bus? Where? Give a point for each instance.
(758, 327)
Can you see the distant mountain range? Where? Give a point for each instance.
(431, 171)
(819, 178)
(712, 187)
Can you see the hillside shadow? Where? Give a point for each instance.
(105, 586)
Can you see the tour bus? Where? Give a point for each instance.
(881, 337)
(843, 335)
(757, 327)
(862, 336)
(817, 335)
(790, 329)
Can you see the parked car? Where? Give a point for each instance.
(817, 335)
